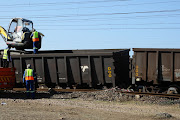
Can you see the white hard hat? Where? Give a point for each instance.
(29, 66)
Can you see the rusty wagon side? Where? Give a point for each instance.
(157, 69)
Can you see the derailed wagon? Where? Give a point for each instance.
(79, 68)
(156, 70)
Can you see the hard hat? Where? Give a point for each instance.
(29, 66)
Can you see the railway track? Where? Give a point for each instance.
(58, 90)
(154, 94)
(177, 96)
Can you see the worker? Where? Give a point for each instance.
(35, 38)
(29, 78)
(6, 57)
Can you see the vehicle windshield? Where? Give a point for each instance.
(16, 26)
(13, 26)
(27, 26)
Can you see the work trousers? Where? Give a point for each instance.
(30, 89)
(5, 63)
(35, 47)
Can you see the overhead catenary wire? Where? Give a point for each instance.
(104, 19)
(109, 24)
(115, 18)
(76, 20)
(69, 20)
(100, 14)
(92, 7)
(169, 28)
(62, 3)
(97, 16)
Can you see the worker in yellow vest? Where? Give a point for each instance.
(35, 38)
(29, 78)
(6, 57)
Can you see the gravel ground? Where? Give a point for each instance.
(103, 105)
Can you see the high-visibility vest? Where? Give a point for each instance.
(5, 55)
(35, 36)
(29, 74)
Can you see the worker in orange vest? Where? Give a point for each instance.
(35, 38)
(29, 78)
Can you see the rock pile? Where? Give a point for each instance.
(115, 95)
(104, 95)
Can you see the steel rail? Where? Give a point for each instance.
(94, 90)
(155, 94)
(58, 90)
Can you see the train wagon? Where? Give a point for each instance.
(156, 70)
(79, 68)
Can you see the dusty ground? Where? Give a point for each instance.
(57, 108)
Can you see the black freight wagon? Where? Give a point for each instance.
(156, 69)
(81, 68)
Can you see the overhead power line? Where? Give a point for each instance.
(107, 14)
(98, 14)
(148, 3)
(91, 7)
(108, 24)
(63, 3)
(116, 28)
(126, 13)
(112, 18)
(99, 19)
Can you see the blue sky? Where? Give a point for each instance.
(99, 24)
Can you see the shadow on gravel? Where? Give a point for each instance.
(22, 95)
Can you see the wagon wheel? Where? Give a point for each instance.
(172, 90)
